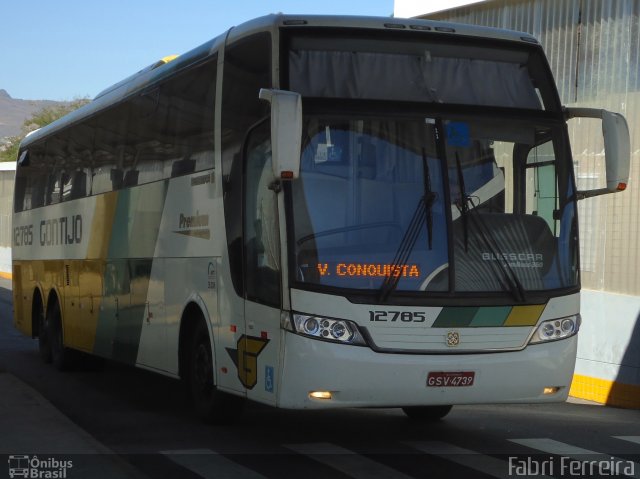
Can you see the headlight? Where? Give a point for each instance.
(336, 330)
(555, 329)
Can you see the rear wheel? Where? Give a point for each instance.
(44, 345)
(211, 405)
(60, 355)
(426, 413)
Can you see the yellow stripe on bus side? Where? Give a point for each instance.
(91, 273)
(102, 225)
(525, 315)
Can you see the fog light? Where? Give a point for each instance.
(550, 390)
(320, 395)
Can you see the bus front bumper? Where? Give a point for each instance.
(357, 376)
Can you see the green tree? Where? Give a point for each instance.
(39, 119)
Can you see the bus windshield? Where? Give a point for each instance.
(440, 205)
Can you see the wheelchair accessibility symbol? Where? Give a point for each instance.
(268, 379)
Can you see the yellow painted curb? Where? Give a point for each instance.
(6, 275)
(603, 391)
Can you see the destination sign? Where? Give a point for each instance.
(369, 270)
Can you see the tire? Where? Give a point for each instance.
(61, 357)
(426, 413)
(211, 405)
(44, 345)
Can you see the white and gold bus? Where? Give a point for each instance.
(316, 212)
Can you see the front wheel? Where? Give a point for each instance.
(426, 413)
(211, 405)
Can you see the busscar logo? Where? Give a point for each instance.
(196, 225)
(516, 260)
(34, 467)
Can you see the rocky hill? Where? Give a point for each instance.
(14, 112)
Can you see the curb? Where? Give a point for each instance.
(606, 392)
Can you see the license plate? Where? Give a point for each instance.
(450, 379)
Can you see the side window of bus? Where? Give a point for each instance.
(109, 156)
(261, 232)
(31, 179)
(542, 187)
(247, 68)
(171, 127)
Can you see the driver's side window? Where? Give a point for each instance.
(542, 188)
(261, 231)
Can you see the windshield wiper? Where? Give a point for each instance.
(463, 205)
(509, 276)
(429, 197)
(423, 212)
(404, 251)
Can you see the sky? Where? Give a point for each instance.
(67, 49)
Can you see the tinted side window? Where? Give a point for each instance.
(31, 179)
(247, 69)
(165, 131)
(261, 232)
(171, 131)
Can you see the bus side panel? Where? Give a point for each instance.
(184, 268)
(21, 307)
(90, 281)
(133, 232)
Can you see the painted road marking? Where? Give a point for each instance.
(210, 465)
(465, 457)
(551, 446)
(635, 439)
(346, 461)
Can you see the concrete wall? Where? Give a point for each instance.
(7, 175)
(608, 365)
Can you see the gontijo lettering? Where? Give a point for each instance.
(61, 231)
(66, 230)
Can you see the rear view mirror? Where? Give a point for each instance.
(617, 148)
(286, 132)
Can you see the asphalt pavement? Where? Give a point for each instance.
(35, 435)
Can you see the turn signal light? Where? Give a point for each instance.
(550, 390)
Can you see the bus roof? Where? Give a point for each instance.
(161, 69)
